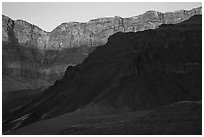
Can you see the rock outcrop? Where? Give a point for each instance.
(131, 72)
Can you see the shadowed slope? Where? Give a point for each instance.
(183, 117)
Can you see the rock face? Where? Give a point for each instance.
(32, 53)
(96, 31)
(25, 54)
(131, 72)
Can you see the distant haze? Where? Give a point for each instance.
(48, 15)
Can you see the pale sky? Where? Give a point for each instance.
(48, 15)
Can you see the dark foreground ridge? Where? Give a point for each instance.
(132, 72)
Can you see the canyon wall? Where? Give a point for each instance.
(31, 53)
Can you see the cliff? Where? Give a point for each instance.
(131, 72)
(32, 53)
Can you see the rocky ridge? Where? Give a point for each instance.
(92, 33)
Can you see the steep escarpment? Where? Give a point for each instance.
(96, 31)
(25, 54)
(32, 53)
(23, 32)
(131, 72)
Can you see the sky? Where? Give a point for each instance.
(48, 15)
